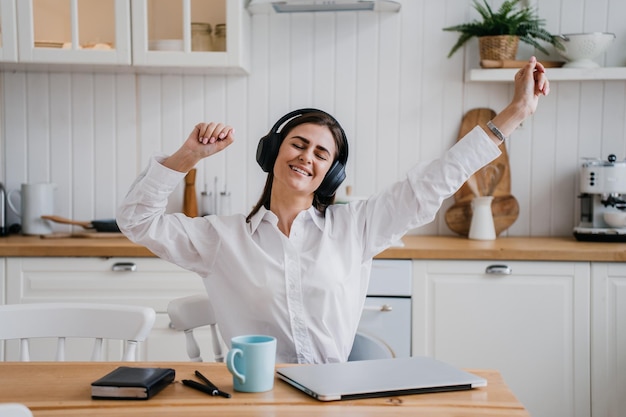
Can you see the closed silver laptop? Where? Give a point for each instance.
(378, 378)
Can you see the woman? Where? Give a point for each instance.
(298, 266)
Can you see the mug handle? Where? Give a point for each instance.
(10, 203)
(230, 364)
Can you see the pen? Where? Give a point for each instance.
(207, 390)
(206, 380)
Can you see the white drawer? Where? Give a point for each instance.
(153, 282)
(391, 277)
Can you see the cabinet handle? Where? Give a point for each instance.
(382, 308)
(498, 270)
(124, 267)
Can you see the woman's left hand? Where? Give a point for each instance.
(530, 83)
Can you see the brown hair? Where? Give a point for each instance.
(320, 119)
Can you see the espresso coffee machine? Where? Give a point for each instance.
(602, 201)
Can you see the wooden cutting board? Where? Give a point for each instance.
(504, 207)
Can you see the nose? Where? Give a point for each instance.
(305, 156)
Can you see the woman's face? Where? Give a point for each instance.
(304, 158)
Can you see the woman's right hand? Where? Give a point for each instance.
(205, 140)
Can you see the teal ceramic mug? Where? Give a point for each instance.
(251, 360)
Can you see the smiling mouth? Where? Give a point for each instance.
(300, 171)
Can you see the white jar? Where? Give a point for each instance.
(482, 227)
(201, 37)
(219, 41)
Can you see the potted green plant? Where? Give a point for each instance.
(500, 32)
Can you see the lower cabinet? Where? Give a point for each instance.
(608, 339)
(138, 281)
(529, 320)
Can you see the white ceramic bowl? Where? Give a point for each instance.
(615, 219)
(580, 49)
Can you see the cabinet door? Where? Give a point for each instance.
(531, 324)
(8, 36)
(608, 361)
(162, 35)
(74, 31)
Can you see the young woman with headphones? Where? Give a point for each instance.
(297, 267)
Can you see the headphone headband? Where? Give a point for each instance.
(267, 151)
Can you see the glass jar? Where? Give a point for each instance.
(201, 37)
(219, 43)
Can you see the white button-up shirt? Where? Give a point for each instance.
(306, 289)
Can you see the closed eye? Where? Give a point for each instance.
(302, 143)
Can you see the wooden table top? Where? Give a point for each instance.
(63, 389)
(415, 247)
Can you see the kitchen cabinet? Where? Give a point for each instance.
(529, 320)
(608, 337)
(138, 281)
(8, 39)
(162, 34)
(73, 32)
(137, 35)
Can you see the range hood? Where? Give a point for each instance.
(294, 6)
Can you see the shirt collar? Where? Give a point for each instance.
(266, 215)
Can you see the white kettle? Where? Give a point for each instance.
(37, 199)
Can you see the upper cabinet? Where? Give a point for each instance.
(209, 35)
(8, 37)
(154, 35)
(73, 31)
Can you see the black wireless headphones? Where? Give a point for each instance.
(267, 151)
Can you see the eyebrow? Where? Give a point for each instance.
(308, 142)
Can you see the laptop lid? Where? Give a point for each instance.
(378, 378)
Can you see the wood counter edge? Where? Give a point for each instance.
(415, 247)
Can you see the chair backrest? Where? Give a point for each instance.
(14, 410)
(131, 324)
(189, 313)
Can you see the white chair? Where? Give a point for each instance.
(14, 410)
(131, 324)
(189, 313)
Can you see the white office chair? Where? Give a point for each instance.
(131, 324)
(189, 313)
(14, 410)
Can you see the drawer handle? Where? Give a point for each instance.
(498, 270)
(124, 267)
(383, 308)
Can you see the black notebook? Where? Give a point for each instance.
(132, 383)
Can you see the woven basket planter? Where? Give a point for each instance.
(502, 47)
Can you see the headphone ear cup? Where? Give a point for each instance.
(333, 179)
(267, 151)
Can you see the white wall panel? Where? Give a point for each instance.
(386, 77)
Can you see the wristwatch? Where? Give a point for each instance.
(496, 131)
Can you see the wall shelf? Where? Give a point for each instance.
(554, 74)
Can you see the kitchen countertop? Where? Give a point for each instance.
(415, 247)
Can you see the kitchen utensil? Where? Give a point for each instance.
(615, 219)
(108, 225)
(190, 201)
(4, 227)
(488, 177)
(602, 199)
(482, 226)
(580, 49)
(37, 199)
(504, 207)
